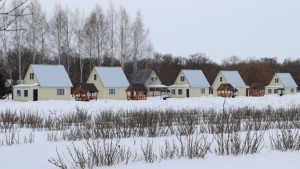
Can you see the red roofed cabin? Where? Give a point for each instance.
(226, 90)
(85, 92)
(256, 90)
(136, 92)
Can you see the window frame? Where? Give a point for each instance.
(269, 91)
(60, 92)
(173, 91)
(25, 91)
(111, 92)
(18, 93)
(179, 91)
(202, 91)
(276, 80)
(292, 90)
(95, 76)
(182, 78)
(31, 76)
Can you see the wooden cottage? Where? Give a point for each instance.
(226, 90)
(256, 90)
(44, 82)
(281, 84)
(189, 83)
(149, 79)
(86, 92)
(136, 92)
(232, 77)
(111, 82)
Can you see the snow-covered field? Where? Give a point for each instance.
(37, 154)
(209, 102)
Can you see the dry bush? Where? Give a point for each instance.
(285, 139)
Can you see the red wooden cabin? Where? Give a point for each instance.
(256, 90)
(136, 92)
(85, 92)
(226, 90)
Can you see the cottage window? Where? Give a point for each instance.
(292, 90)
(18, 93)
(112, 91)
(25, 93)
(182, 78)
(221, 79)
(95, 76)
(269, 91)
(203, 91)
(275, 90)
(276, 80)
(173, 91)
(179, 91)
(152, 78)
(31, 76)
(60, 92)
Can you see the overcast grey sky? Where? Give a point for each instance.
(219, 28)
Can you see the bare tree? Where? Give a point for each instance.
(18, 35)
(112, 19)
(124, 36)
(100, 33)
(67, 37)
(140, 41)
(78, 27)
(89, 36)
(34, 23)
(57, 27)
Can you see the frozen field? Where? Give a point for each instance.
(32, 147)
(154, 103)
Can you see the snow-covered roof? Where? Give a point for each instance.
(287, 80)
(196, 78)
(234, 78)
(157, 86)
(26, 85)
(52, 75)
(175, 86)
(112, 76)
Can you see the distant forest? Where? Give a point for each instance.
(105, 38)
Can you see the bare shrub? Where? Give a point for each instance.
(285, 139)
(148, 152)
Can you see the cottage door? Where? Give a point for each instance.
(187, 93)
(35, 94)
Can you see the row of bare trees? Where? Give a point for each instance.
(68, 37)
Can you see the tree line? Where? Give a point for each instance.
(69, 37)
(106, 38)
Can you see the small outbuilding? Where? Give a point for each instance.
(256, 90)
(136, 92)
(85, 92)
(226, 90)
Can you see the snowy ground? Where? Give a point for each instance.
(209, 102)
(36, 155)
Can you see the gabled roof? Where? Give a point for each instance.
(112, 76)
(234, 78)
(287, 80)
(257, 86)
(52, 75)
(137, 87)
(88, 87)
(228, 86)
(196, 78)
(140, 76)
